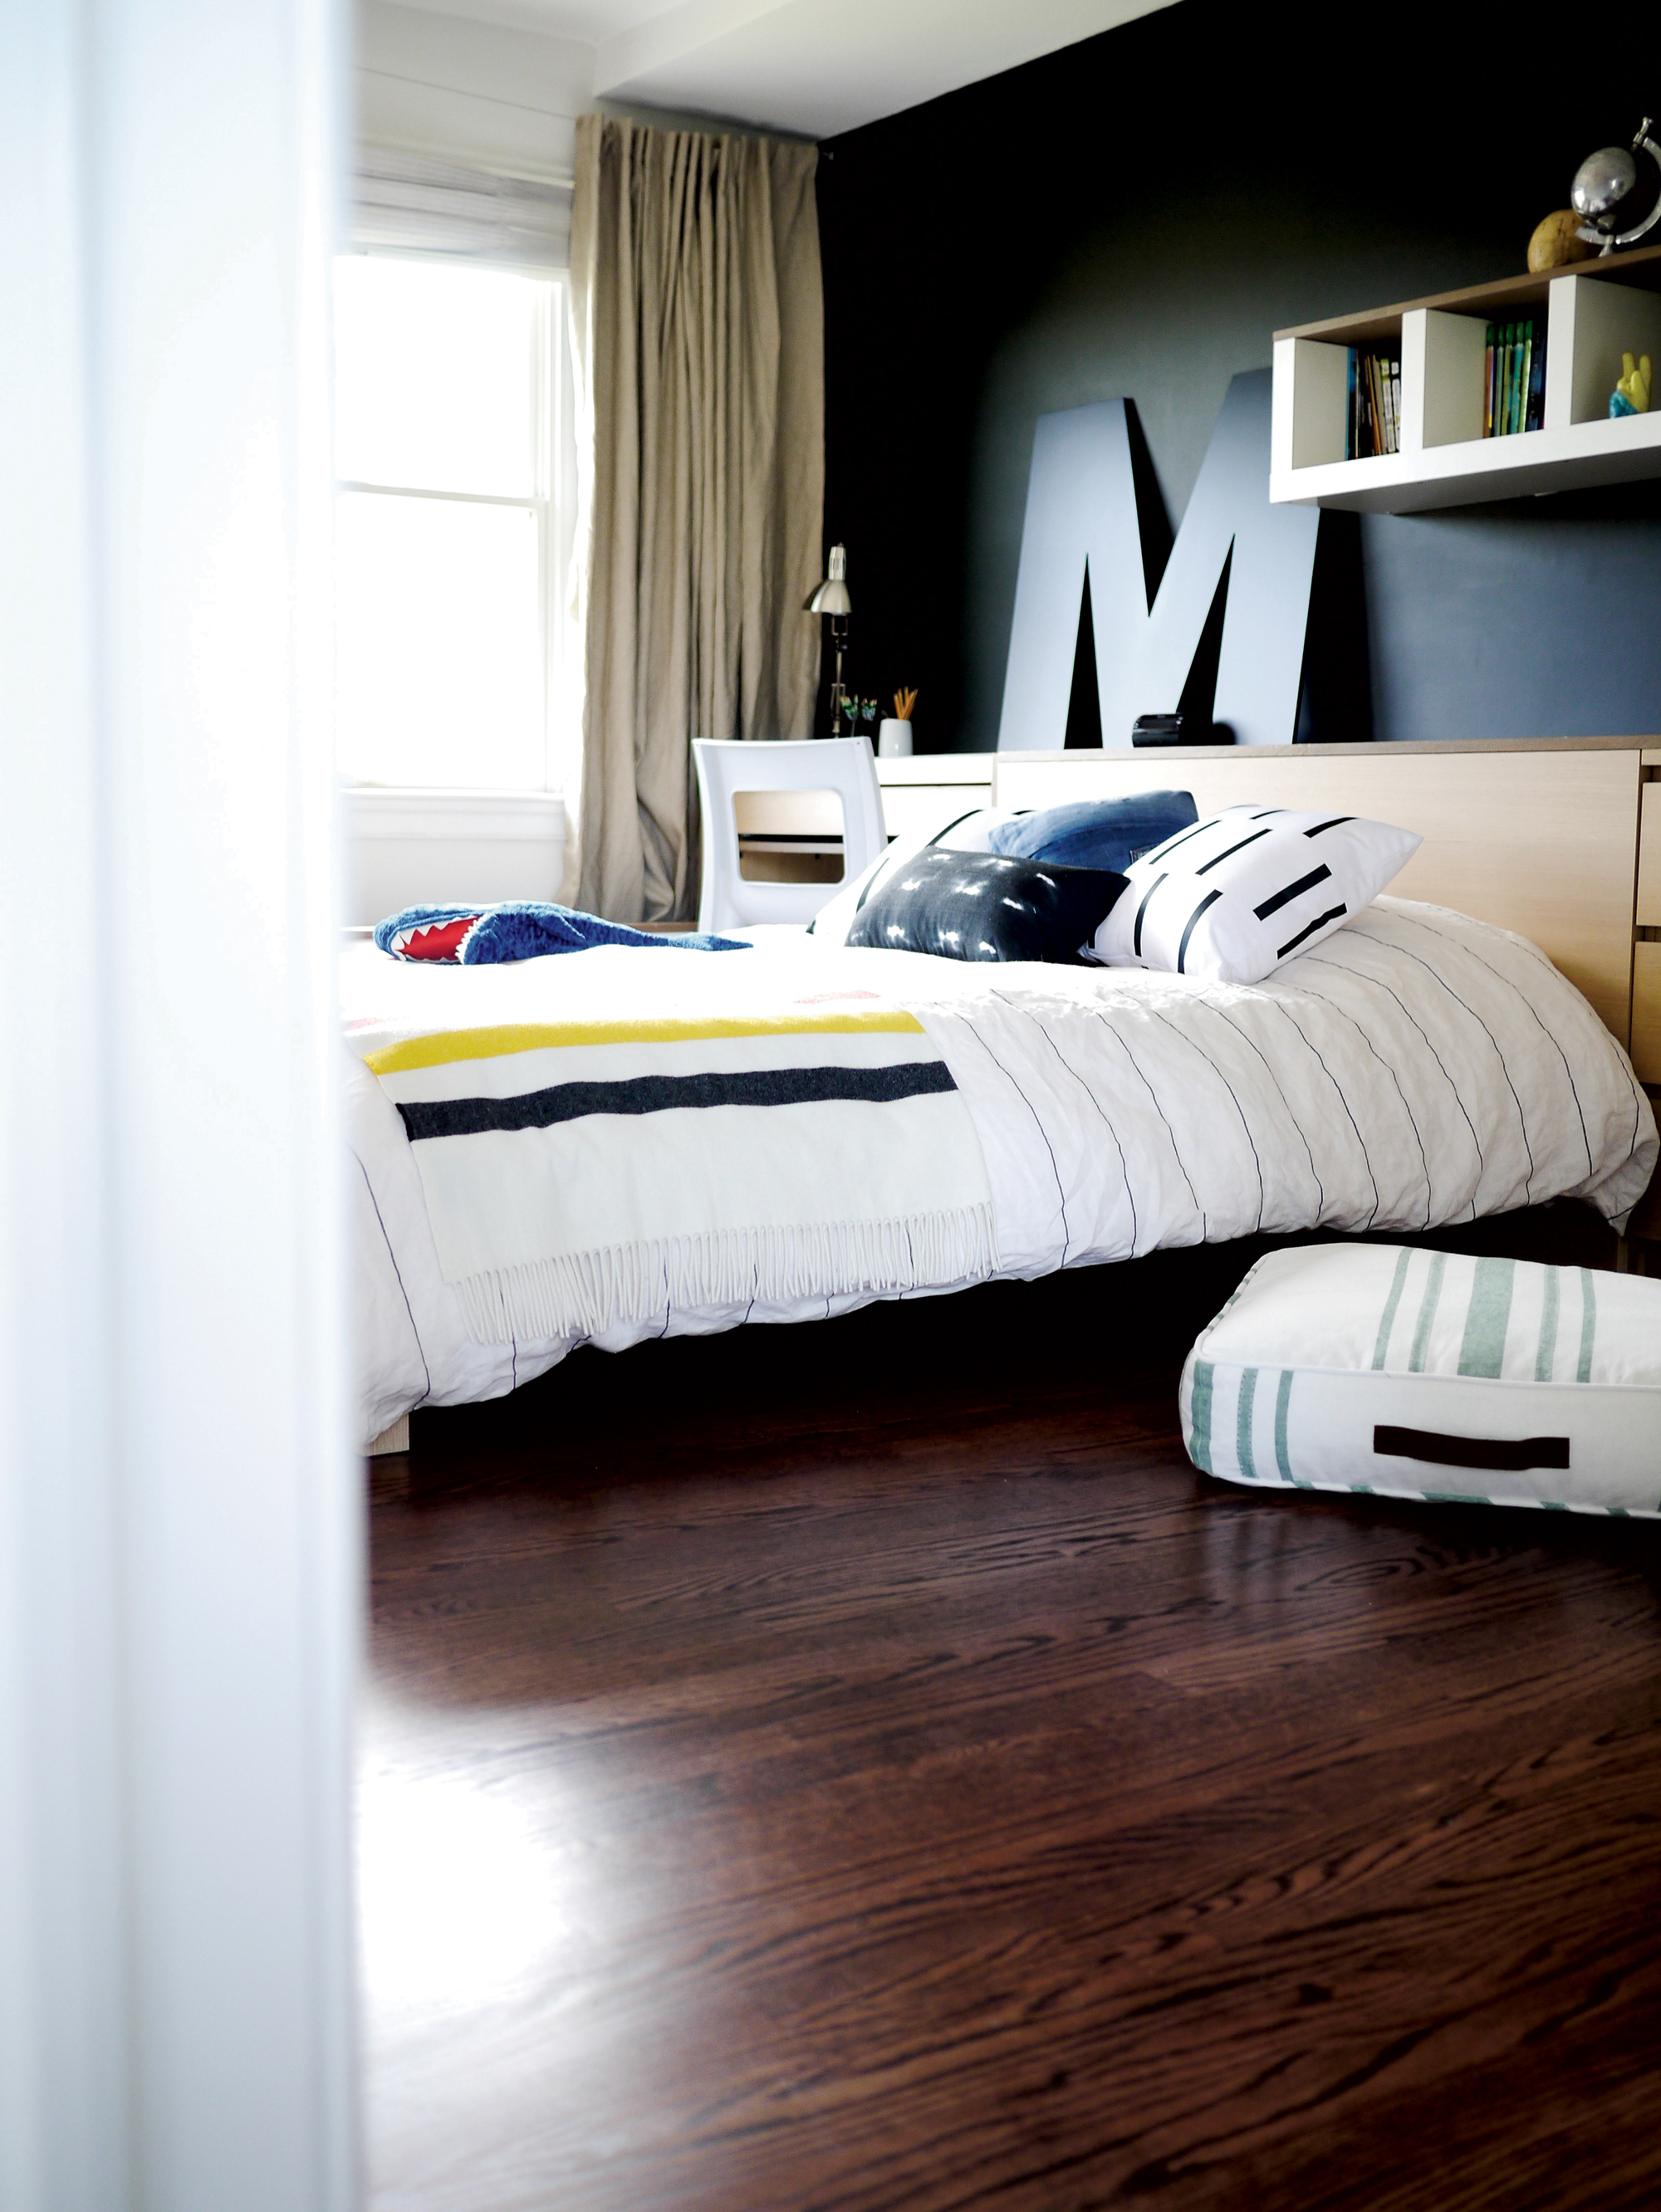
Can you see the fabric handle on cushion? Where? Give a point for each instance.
(1499, 1455)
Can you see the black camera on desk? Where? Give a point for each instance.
(1176, 730)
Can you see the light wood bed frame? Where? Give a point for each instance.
(1541, 835)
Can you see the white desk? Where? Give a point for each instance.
(795, 837)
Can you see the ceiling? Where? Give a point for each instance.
(812, 67)
(589, 22)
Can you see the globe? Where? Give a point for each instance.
(1603, 187)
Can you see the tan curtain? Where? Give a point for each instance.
(697, 328)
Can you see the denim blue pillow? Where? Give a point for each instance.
(1096, 832)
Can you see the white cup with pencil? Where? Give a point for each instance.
(894, 733)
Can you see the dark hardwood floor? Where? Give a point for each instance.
(865, 1766)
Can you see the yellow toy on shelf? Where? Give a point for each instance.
(1631, 396)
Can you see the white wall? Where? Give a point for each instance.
(468, 91)
(180, 1563)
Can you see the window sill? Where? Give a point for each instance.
(375, 812)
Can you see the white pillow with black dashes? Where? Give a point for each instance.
(1242, 891)
(1433, 1374)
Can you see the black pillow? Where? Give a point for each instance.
(980, 906)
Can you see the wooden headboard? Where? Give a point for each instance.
(1539, 835)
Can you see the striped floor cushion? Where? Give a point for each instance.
(1416, 1374)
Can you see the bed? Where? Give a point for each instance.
(1418, 1068)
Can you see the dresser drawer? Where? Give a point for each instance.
(918, 810)
(1646, 1010)
(1649, 857)
(815, 817)
(796, 835)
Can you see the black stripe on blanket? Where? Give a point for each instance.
(655, 1094)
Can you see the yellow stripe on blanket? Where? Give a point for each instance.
(445, 1045)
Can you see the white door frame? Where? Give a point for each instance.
(179, 1540)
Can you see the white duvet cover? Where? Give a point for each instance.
(1418, 1068)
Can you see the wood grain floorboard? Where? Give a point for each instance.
(865, 1766)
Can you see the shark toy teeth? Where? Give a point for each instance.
(437, 940)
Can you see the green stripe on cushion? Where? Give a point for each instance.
(1588, 1325)
(1388, 1321)
(1243, 1425)
(1282, 1401)
(1439, 1262)
(1199, 1440)
(1488, 1317)
(1546, 1358)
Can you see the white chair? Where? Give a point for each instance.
(844, 765)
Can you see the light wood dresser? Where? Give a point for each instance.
(1646, 951)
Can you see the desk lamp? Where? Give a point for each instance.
(830, 598)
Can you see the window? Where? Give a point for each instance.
(454, 455)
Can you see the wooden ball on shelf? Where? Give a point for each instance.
(1554, 242)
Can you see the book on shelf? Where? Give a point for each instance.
(1375, 404)
(1535, 418)
(1514, 361)
(1487, 385)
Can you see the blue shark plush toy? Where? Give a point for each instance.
(469, 936)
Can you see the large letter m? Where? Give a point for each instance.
(1082, 528)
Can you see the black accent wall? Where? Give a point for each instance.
(1134, 217)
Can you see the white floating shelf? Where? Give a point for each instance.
(1594, 312)
(1482, 468)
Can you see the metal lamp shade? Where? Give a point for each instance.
(831, 597)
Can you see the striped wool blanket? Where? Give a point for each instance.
(590, 1171)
